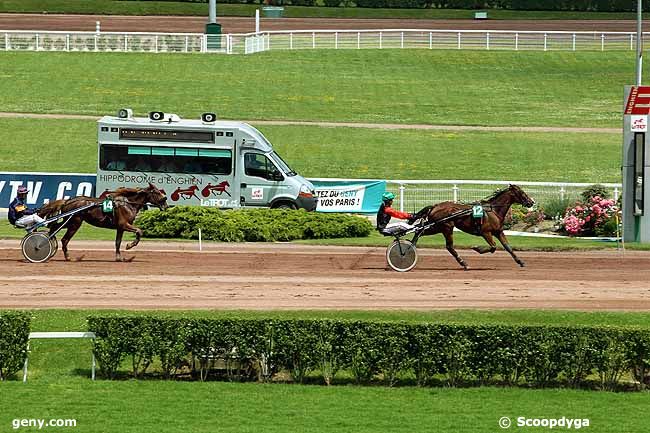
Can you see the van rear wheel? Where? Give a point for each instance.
(285, 205)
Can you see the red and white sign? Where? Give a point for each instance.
(638, 102)
(639, 123)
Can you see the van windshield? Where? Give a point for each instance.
(283, 165)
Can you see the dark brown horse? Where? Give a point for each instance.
(489, 226)
(127, 202)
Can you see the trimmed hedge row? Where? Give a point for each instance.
(14, 335)
(256, 225)
(544, 5)
(391, 351)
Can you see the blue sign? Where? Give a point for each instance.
(44, 187)
(349, 196)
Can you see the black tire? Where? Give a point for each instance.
(402, 255)
(285, 205)
(37, 247)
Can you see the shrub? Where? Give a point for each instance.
(14, 335)
(254, 225)
(594, 191)
(591, 218)
(556, 207)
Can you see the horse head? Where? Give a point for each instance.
(156, 197)
(520, 196)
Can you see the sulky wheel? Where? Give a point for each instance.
(55, 246)
(37, 247)
(402, 255)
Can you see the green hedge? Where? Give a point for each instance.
(394, 352)
(255, 225)
(14, 335)
(543, 5)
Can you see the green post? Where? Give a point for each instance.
(213, 32)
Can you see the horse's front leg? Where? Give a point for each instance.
(449, 243)
(138, 234)
(118, 243)
(506, 246)
(490, 240)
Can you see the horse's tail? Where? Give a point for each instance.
(51, 209)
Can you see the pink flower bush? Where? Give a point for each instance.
(584, 219)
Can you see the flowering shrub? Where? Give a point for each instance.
(588, 219)
(534, 217)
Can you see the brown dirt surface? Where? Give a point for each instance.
(175, 275)
(174, 24)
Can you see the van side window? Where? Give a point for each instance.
(258, 165)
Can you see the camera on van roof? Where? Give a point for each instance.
(208, 117)
(125, 113)
(159, 116)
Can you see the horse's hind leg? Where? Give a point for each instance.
(138, 235)
(508, 248)
(490, 240)
(118, 243)
(71, 228)
(449, 243)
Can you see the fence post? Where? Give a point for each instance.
(574, 42)
(313, 40)
(455, 193)
(36, 41)
(336, 40)
(155, 44)
(631, 41)
(126, 42)
(602, 42)
(430, 41)
(358, 40)
(516, 41)
(381, 42)
(67, 42)
(545, 42)
(562, 191)
(187, 43)
(291, 41)
(487, 40)
(615, 193)
(6, 41)
(459, 40)
(401, 197)
(402, 40)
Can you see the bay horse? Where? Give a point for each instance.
(127, 202)
(489, 226)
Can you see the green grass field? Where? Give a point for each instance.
(59, 387)
(38, 145)
(395, 86)
(119, 7)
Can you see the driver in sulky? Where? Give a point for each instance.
(19, 214)
(386, 212)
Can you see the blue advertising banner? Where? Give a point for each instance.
(44, 187)
(349, 196)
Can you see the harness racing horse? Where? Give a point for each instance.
(489, 226)
(127, 202)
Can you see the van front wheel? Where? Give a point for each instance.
(284, 205)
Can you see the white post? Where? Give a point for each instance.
(455, 193)
(487, 41)
(212, 11)
(602, 42)
(257, 21)
(459, 40)
(380, 40)
(562, 191)
(67, 42)
(402, 40)
(200, 241)
(26, 363)
(430, 40)
(516, 41)
(545, 39)
(95, 42)
(639, 42)
(36, 41)
(574, 42)
(615, 193)
(631, 41)
(156, 44)
(358, 40)
(313, 40)
(92, 371)
(187, 43)
(291, 41)
(336, 40)
(126, 42)
(97, 27)
(401, 197)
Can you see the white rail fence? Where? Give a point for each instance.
(33, 40)
(413, 195)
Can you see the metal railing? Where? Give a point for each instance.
(34, 40)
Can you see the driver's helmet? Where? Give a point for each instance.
(22, 190)
(387, 196)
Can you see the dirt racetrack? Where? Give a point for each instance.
(173, 24)
(289, 276)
